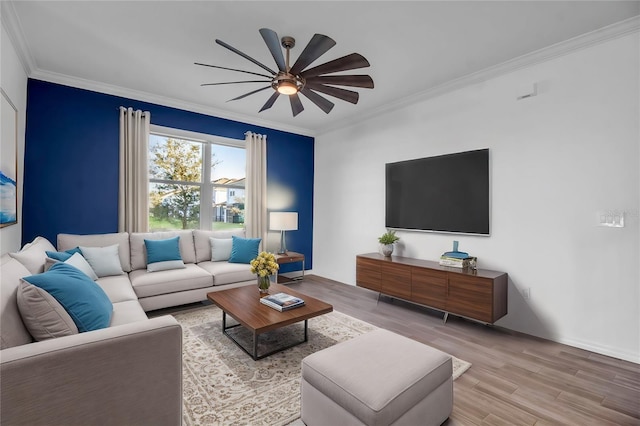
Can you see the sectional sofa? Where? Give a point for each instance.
(127, 373)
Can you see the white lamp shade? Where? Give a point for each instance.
(283, 221)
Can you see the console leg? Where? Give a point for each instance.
(446, 315)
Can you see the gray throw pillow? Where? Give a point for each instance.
(105, 261)
(42, 314)
(220, 248)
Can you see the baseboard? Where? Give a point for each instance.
(602, 350)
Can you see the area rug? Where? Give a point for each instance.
(222, 385)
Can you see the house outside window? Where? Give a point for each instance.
(196, 181)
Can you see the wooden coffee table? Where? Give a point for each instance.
(243, 305)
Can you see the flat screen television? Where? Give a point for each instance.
(445, 193)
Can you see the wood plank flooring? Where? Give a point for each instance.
(515, 379)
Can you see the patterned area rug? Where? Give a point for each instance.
(222, 385)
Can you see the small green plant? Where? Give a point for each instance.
(388, 237)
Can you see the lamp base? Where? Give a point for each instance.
(283, 245)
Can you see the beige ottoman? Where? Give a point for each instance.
(379, 378)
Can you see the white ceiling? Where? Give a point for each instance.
(146, 49)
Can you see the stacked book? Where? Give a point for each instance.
(458, 259)
(282, 301)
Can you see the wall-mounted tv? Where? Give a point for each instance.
(445, 193)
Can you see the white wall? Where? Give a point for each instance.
(14, 83)
(556, 159)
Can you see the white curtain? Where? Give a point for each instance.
(133, 193)
(255, 217)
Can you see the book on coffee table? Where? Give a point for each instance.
(282, 301)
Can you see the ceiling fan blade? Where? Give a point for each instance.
(344, 80)
(244, 55)
(273, 43)
(232, 69)
(344, 94)
(317, 47)
(270, 101)
(323, 103)
(296, 104)
(250, 93)
(235, 82)
(349, 62)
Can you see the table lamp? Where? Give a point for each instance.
(283, 221)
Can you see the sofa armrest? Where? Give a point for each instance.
(127, 375)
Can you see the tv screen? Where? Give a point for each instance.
(446, 193)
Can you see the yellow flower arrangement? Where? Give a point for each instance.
(264, 264)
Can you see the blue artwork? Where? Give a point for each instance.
(8, 162)
(8, 197)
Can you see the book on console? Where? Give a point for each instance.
(458, 262)
(282, 301)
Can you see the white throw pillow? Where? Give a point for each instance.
(42, 314)
(33, 254)
(104, 261)
(80, 262)
(165, 265)
(220, 248)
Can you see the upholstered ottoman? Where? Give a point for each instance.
(379, 378)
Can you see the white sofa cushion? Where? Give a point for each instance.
(33, 255)
(203, 244)
(148, 284)
(69, 241)
(127, 312)
(139, 251)
(118, 288)
(226, 273)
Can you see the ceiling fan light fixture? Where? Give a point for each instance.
(287, 84)
(287, 87)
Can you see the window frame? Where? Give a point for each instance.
(206, 185)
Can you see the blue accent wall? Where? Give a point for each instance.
(71, 162)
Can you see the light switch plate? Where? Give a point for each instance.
(610, 218)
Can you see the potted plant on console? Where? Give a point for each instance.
(387, 240)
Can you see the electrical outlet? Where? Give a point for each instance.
(526, 293)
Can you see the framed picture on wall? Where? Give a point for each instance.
(8, 162)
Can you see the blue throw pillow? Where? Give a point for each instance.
(62, 255)
(244, 250)
(163, 254)
(85, 302)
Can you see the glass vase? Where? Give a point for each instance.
(263, 284)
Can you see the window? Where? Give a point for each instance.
(196, 181)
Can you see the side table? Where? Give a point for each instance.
(289, 257)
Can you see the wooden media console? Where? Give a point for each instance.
(472, 293)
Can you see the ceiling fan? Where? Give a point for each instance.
(291, 80)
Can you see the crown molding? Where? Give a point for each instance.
(14, 30)
(601, 35)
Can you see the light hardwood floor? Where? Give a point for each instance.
(515, 379)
